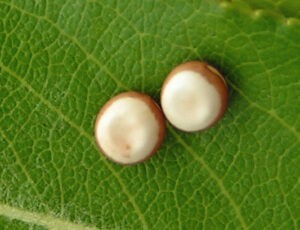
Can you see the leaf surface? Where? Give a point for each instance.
(60, 61)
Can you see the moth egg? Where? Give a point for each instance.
(194, 96)
(130, 128)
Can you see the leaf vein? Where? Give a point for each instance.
(212, 175)
(83, 133)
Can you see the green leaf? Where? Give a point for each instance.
(60, 61)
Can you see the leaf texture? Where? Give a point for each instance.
(60, 61)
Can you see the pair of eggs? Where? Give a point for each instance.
(130, 127)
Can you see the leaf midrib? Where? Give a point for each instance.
(48, 221)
